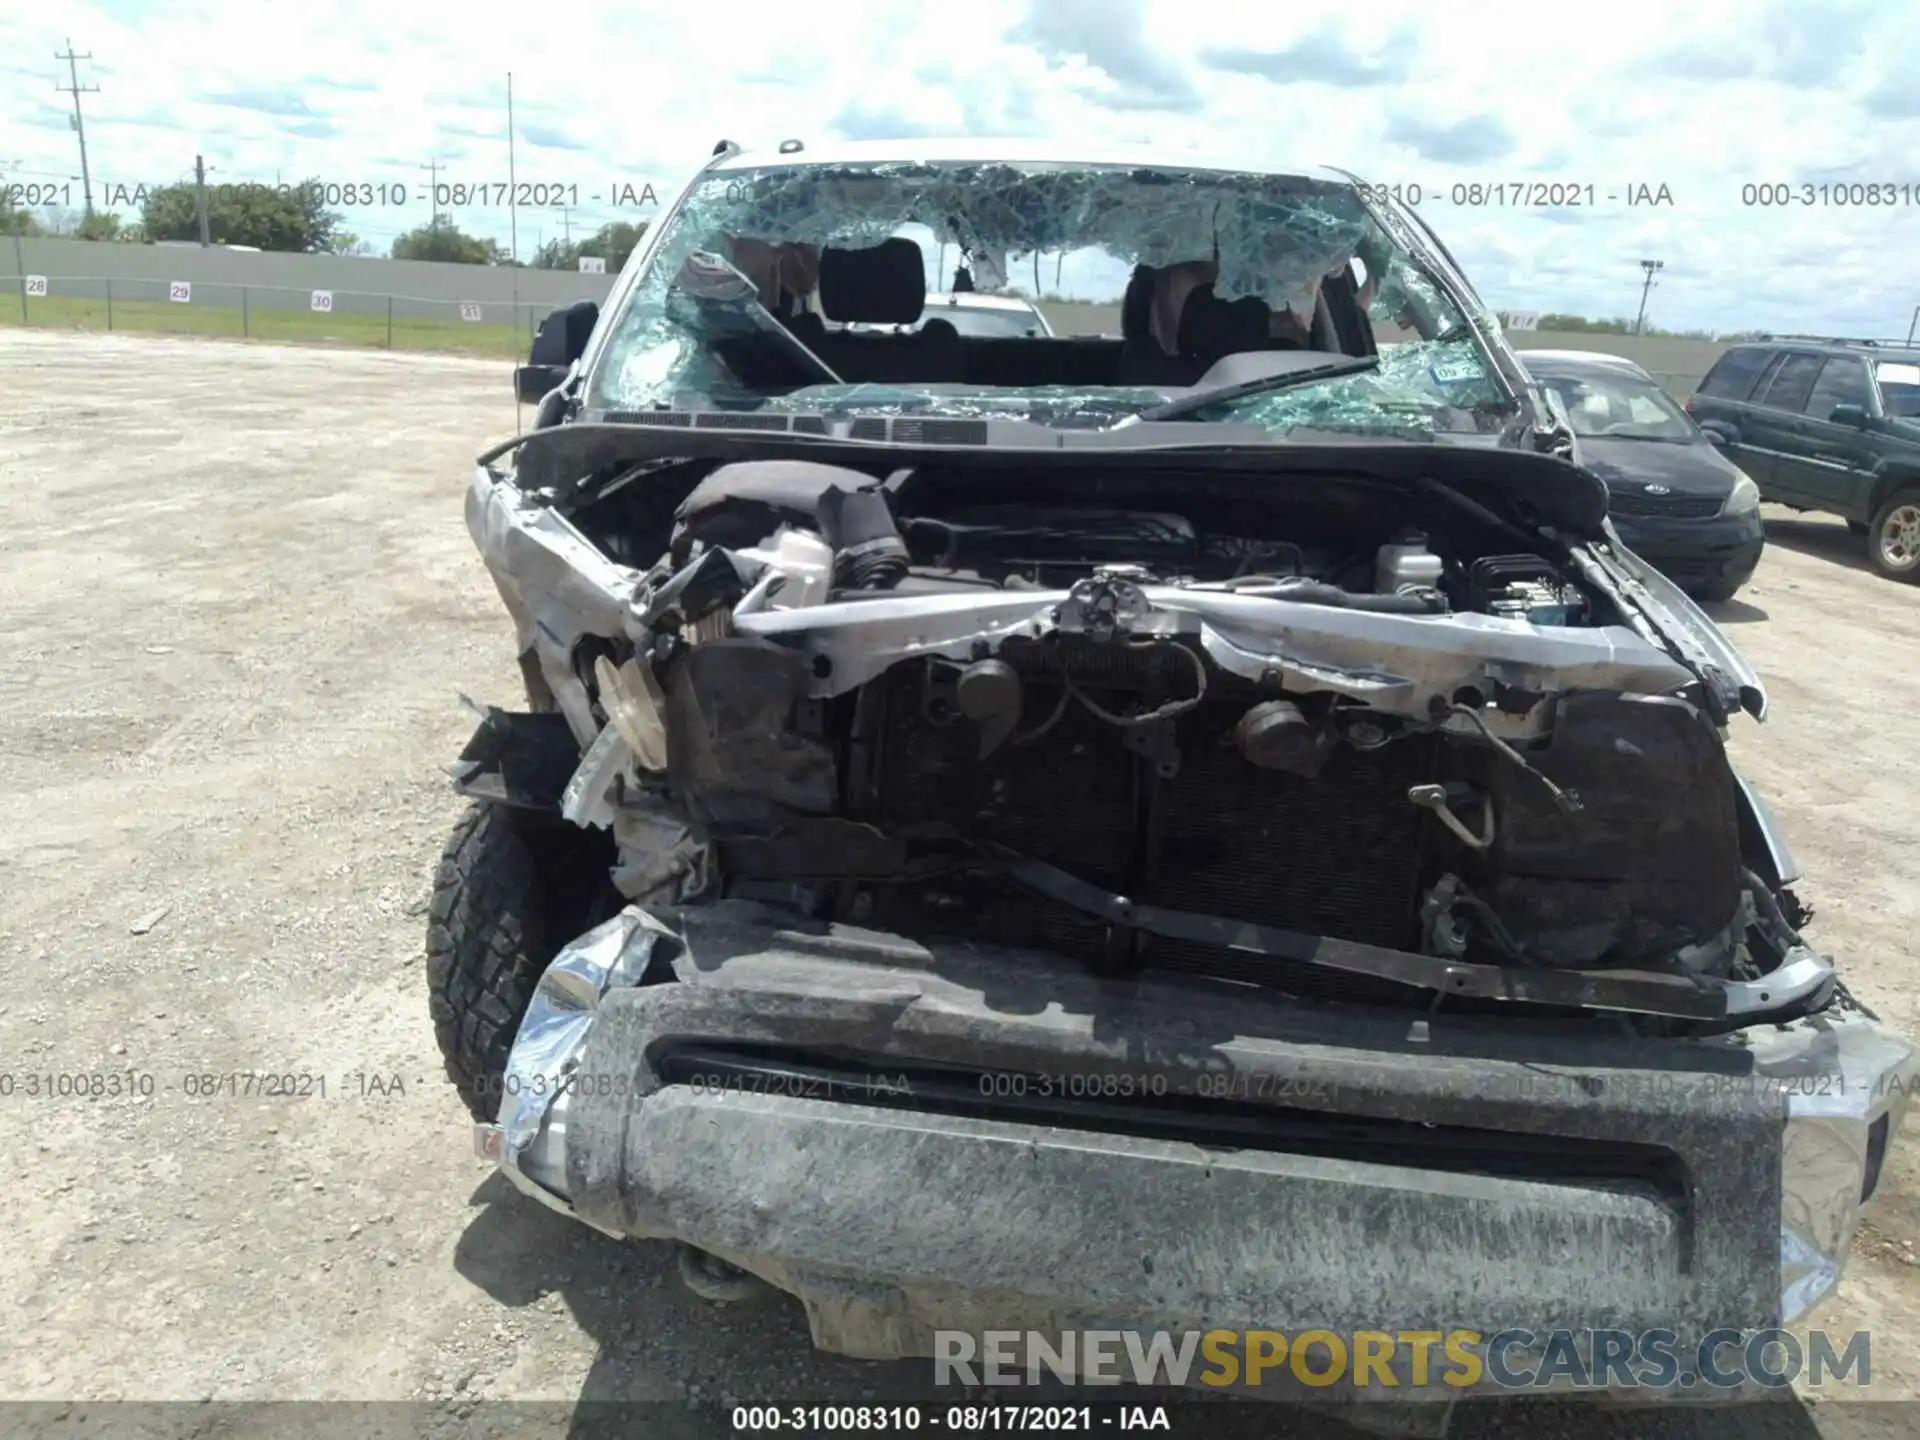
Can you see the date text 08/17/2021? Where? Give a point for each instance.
(360, 194)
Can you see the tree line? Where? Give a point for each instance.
(268, 218)
(1561, 324)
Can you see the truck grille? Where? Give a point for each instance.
(1668, 507)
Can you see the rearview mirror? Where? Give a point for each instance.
(704, 275)
(1854, 415)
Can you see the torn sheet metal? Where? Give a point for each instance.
(1845, 1094)
(658, 850)
(528, 1141)
(588, 799)
(556, 584)
(516, 758)
(1396, 663)
(559, 578)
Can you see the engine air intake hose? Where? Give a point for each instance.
(1411, 601)
(868, 551)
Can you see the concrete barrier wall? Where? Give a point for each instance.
(271, 280)
(1677, 364)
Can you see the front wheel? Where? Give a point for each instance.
(511, 889)
(1718, 592)
(1893, 537)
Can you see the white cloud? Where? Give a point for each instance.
(1702, 99)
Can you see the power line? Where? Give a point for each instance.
(74, 88)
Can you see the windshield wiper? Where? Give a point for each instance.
(1220, 394)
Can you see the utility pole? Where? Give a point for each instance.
(200, 198)
(1640, 323)
(566, 224)
(74, 88)
(433, 195)
(513, 211)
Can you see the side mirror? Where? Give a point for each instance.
(1717, 437)
(532, 382)
(560, 340)
(1854, 415)
(563, 335)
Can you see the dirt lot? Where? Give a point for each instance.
(240, 602)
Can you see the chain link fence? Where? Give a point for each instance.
(274, 312)
(346, 317)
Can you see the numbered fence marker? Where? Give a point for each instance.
(593, 264)
(36, 284)
(322, 302)
(1523, 320)
(180, 291)
(469, 310)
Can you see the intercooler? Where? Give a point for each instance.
(1192, 826)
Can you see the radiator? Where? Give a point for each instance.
(1339, 855)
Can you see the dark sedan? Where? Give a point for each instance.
(1677, 502)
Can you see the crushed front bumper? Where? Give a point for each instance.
(1179, 1155)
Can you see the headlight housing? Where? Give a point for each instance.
(1745, 498)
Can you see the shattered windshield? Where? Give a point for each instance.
(1148, 278)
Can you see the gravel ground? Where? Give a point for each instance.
(240, 604)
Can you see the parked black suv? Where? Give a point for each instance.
(1827, 424)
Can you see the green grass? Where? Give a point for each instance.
(67, 312)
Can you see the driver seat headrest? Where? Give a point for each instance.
(885, 284)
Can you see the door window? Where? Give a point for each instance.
(1843, 381)
(1793, 383)
(1733, 374)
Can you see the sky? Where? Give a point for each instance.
(1706, 100)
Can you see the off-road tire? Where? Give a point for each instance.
(1717, 593)
(1899, 514)
(489, 937)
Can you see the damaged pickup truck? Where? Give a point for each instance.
(1204, 827)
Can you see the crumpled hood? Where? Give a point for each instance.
(1493, 469)
(1533, 491)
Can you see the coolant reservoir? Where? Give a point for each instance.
(1406, 564)
(807, 562)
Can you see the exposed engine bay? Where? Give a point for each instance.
(1343, 737)
(1021, 806)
